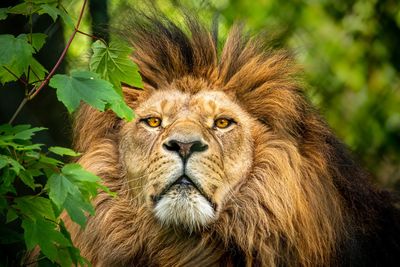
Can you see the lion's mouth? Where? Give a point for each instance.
(182, 185)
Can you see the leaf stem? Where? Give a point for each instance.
(35, 90)
(92, 36)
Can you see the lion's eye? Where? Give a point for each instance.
(153, 121)
(222, 123)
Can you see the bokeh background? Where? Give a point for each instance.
(349, 50)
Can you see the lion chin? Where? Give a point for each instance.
(184, 206)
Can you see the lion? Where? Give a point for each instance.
(225, 164)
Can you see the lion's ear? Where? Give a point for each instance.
(133, 95)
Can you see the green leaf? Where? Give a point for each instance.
(76, 172)
(3, 161)
(32, 154)
(51, 10)
(122, 110)
(43, 233)
(78, 202)
(7, 129)
(37, 71)
(6, 185)
(34, 172)
(18, 56)
(15, 165)
(50, 161)
(66, 18)
(3, 13)
(83, 86)
(11, 215)
(73, 251)
(6, 76)
(26, 9)
(13, 48)
(27, 179)
(76, 206)
(28, 147)
(63, 151)
(35, 207)
(38, 39)
(88, 87)
(59, 187)
(15, 55)
(65, 257)
(114, 65)
(27, 134)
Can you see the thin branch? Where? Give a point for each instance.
(34, 91)
(36, 81)
(64, 52)
(92, 36)
(18, 109)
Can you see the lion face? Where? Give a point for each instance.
(195, 149)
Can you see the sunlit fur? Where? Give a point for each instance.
(286, 192)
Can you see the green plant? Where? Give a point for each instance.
(36, 185)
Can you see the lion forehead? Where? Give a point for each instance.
(171, 102)
(163, 102)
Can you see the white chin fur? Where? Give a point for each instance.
(181, 212)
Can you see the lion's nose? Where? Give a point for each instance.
(185, 149)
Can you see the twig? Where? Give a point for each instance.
(34, 91)
(36, 81)
(18, 109)
(92, 36)
(64, 52)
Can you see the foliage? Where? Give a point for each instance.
(68, 187)
(86, 86)
(37, 189)
(113, 64)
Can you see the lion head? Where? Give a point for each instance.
(195, 149)
(226, 162)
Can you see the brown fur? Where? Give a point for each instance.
(303, 201)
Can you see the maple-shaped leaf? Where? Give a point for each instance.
(88, 87)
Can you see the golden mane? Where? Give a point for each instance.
(305, 202)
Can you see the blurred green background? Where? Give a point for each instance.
(349, 50)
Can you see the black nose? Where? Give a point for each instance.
(185, 149)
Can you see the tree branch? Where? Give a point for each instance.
(35, 90)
